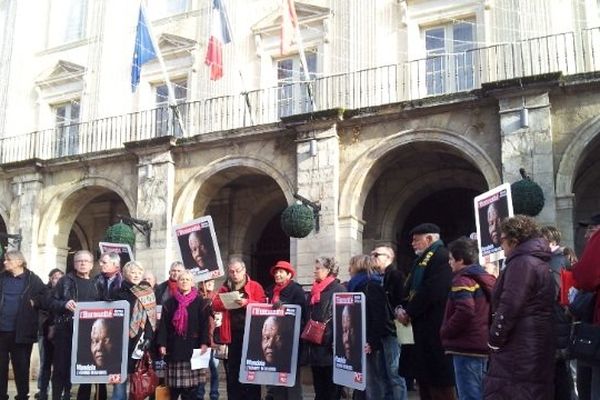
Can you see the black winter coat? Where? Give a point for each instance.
(426, 359)
(180, 348)
(65, 290)
(291, 294)
(34, 297)
(522, 367)
(322, 355)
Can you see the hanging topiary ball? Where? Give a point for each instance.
(527, 196)
(120, 233)
(298, 220)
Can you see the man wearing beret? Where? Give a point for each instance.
(426, 290)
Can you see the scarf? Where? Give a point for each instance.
(277, 290)
(172, 286)
(180, 317)
(317, 288)
(415, 278)
(360, 280)
(144, 309)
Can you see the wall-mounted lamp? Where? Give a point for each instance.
(524, 117)
(14, 239)
(314, 150)
(143, 226)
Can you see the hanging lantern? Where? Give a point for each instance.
(298, 220)
(527, 196)
(120, 233)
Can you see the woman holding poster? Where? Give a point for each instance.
(320, 308)
(183, 328)
(142, 317)
(286, 291)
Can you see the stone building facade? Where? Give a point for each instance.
(417, 107)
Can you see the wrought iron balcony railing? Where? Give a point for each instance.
(569, 53)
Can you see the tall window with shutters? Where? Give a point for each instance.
(293, 89)
(449, 60)
(67, 128)
(67, 21)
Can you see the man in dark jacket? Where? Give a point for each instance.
(426, 292)
(165, 290)
(22, 294)
(393, 282)
(70, 289)
(108, 281)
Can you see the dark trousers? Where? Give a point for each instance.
(19, 355)
(584, 381)
(428, 392)
(325, 389)
(185, 393)
(61, 373)
(235, 389)
(564, 388)
(46, 349)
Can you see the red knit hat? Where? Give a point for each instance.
(285, 266)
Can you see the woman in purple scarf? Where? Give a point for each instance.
(183, 328)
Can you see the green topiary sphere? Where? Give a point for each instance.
(120, 233)
(297, 220)
(527, 197)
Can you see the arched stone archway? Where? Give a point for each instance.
(242, 196)
(358, 184)
(77, 216)
(577, 181)
(189, 193)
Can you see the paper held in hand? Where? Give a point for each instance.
(229, 300)
(404, 333)
(198, 360)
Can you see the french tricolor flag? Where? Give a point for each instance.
(219, 36)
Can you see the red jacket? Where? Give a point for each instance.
(587, 271)
(252, 291)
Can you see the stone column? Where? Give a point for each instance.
(527, 143)
(25, 211)
(155, 194)
(318, 175)
(564, 219)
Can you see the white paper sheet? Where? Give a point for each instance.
(404, 333)
(229, 300)
(198, 360)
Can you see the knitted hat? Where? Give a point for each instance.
(286, 266)
(593, 220)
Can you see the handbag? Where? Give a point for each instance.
(585, 343)
(314, 331)
(162, 393)
(143, 381)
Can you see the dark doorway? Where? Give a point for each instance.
(272, 246)
(451, 209)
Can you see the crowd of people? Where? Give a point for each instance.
(476, 335)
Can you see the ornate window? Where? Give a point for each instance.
(67, 21)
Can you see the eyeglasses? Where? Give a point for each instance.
(378, 254)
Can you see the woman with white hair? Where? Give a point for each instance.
(142, 317)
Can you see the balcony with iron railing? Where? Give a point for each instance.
(569, 53)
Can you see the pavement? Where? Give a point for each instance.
(307, 388)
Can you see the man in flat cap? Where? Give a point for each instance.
(426, 290)
(587, 277)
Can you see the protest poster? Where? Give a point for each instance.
(123, 250)
(199, 249)
(491, 208)
(349, 340)
(270, 347)
(100, 340)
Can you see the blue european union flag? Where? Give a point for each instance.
(144, 50)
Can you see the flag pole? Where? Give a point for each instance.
(302, 53)
(170, 92)
(242, 80)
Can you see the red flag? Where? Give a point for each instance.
(289, 23)
(219, 36)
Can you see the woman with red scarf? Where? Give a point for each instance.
(286, 291)
(320, 308)
(183, 328)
